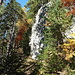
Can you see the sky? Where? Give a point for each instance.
(22, 2)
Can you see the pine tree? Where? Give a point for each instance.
(50, 61)
(13, 12)
(33, 6)
(10, 16)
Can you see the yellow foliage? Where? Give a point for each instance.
(29, 21)
(23, 21)
(69, 48)
(68, 56)
(65, 50)
(73, 34)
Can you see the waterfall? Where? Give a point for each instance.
(37, 31)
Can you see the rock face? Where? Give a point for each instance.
(71, 31)
(37, 31)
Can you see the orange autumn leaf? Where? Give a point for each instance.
(68, 2)
(20, 33)
(71, 12)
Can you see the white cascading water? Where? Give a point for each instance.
(37, 31)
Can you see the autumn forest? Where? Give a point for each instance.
(37, 39)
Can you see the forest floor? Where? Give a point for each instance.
(28, 64)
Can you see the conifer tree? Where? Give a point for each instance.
(33, 6)
(50, 61)
(9, 19)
